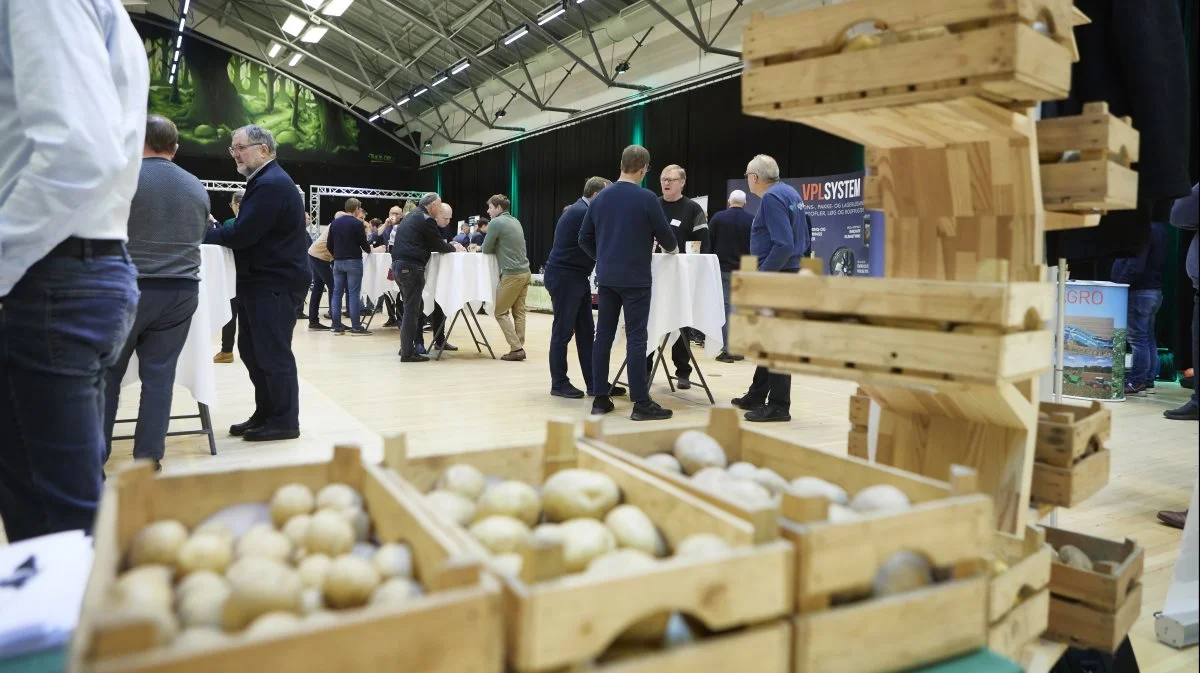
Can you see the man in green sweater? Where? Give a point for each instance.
(506, 239)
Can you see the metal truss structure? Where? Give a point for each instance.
(315, 192)
(224, 185)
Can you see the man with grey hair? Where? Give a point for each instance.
(416, 238)
(269, 243)
(729, 232)
(778, 237)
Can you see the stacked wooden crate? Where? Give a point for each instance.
(1071, 460)
(1095, 607)
(1085, 166)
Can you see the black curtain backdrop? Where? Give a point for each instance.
(702, 130)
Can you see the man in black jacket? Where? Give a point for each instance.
(417, 236)
(269, 243)
(689, 223)
(729, 232)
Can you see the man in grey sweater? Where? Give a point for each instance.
(506, 240)
(167, 219)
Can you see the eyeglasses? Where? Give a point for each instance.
(747, 175)
(235, 149)
(670, 180)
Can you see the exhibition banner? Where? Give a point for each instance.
(1094, 340)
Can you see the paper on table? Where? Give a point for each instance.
(42, 581)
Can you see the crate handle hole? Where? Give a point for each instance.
(911, 88)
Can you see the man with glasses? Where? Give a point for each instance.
(269, 243)
(689, 222)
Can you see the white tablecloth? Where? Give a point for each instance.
(218, 284)
(375, 269)
(685, 292)
(455, 278)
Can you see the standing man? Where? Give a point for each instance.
(167, 219)
(688, 221)
(416, 238)
(347, 242)
(269, 242)
(229, 331)
(383, 236)
(436, 317)
(730, 234)
(1143, 274)
(566, 278)
(506, 240)
(619, 231)
(443, 222)
(778, 239)
(72, 125)
(320, 263)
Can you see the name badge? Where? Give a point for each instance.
(675, 223)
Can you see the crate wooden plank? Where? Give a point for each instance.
(1067, 432)
(1028, 560)
(932, 124)
(1083, 185)
(857, 444)
(1024, 624)
(860, 410)
(1101, 590)
(1069, 486)
(1084, 626)
(1061, 220)
(760, 649)
(1092, 130)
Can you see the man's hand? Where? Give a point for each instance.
(457, 246)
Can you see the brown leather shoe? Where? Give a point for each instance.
(514, 356)
(223, 358)
(1173, 519)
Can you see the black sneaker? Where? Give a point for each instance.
(726, 357)
(339, 331)
(318, 327)
(569, 391)
(649, 411)
(414, 358)
(682, 383)
(746, 402)
(239, 429)
(768, 413)
(361, 331)
(445, 346)
(392, 322)
(1188, 412)
(602, 405)
(739, 358)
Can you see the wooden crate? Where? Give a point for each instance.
(1095, 608)
(455, 628)
(1100, 179)
(928, 92)
(1071, 461)
(860, 419)
(1019, 598)
(948, 527)
(573, 619)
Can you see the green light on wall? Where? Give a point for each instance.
(437, 173)
(513, 176)
(639, 127)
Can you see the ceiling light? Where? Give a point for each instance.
(386, 111)
(486, 50)
(187, 4)
(403, 101)
(274, 50)
(460, 67)
(420, 92)
(516, 35)
(173, 66)
(314, 34)
(551, 16)
(337, 7)
(373, 119)
(176, 57)
(172, 80)
(295, 59)
(294, 25)
(182, 21)
(179, 42)
(500, 113)
(440, 80)
(314, 4)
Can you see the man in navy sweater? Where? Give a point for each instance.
(729, 233)
(1143, 274)
(778, 237)
(619, 231)
(270, 244)
(347, 242)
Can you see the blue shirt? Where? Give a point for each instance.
(566, 254)
(778, 236)
(619, 231)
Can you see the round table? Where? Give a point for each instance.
(685, 291)
(455, 278)
(375, 282)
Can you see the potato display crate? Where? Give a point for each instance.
(949, 529)
(937, 74)
(1019, 597)
(1071, 461)
(860, 421)
(571, 620)
(1097, 174)
(1095, 608)
(455, 628)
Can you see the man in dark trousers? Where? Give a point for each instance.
(347, 242)
(688, 221)
(567, 271)
(1144, 276)
(270, 245)
(729, 233)
(417, 236)
(167, 219)
(619, 231)
(229, 331)
(778, 237)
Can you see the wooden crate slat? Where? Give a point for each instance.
(760, 649)
(931, 124)
(1069, 486)
(1070, 431)
(1023, 625)
(1092, 130)
(1083, 626)
(1083, 185)
(1103, 591)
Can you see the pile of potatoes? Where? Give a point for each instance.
(1075, 557)
(254, 570)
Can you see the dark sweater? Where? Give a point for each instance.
(347, 238)
(477, 238)
(167, 220)
(693, 224)
(416, 237)
(779, 235)
(729, 233)
(566, 255)
(269, 241)
(1145, 271)
(619, 232)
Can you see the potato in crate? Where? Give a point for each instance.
(1085, 161)
(1095, 589)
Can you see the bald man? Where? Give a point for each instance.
(729, 234)
(446, 231)
(437, 319)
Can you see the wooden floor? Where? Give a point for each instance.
(354, 390)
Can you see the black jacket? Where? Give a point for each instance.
(566, 255)
(269, 241)
(1145, 271)
(417, 236)
(729, 232)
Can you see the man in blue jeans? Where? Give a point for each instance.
(1143, 275)
(72, 128)
(347, 241)
(729, 232)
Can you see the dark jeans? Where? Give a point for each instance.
(1195, 336)
(636, 301)
(160, 328)
(411, 280)
(1143, 306)
(229, 331)
(571, 298)
(268, 317)
(725, 276)
(773, 388)
(322, 277)
(61, 327)
(347, 282)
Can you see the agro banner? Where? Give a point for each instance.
(1094, 340)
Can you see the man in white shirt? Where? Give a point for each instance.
(72, 123)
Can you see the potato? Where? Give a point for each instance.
(464, 480)
(500, 534)
(289, 501)
(313, 569)
(203, 608)
(273, 624)
(204, 552)
(360, 522)
(393, 560)
(394, 591)
(453, 505)
(201, 581)
(349, 582)
(296, 529)
(841, 514)
(696, 451)
(262, 541)
(549, 532)
(311, 600)
(742, 470)
(199, 638)
(770, 480)
(147, 586)
(631, 528)
(746, 493)
(711, 479)
(665, 461)
(701, 544)
(238, 519)
(364, 550)
(585, 539)
(218, 528)
(1074, 557)
(576, 493)
(879, 498)
(815, 487)
(259, 585)
(158, 543)
(329, 533)
(338, 496)
(510, 498)
(508, 564)
(901, 572)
